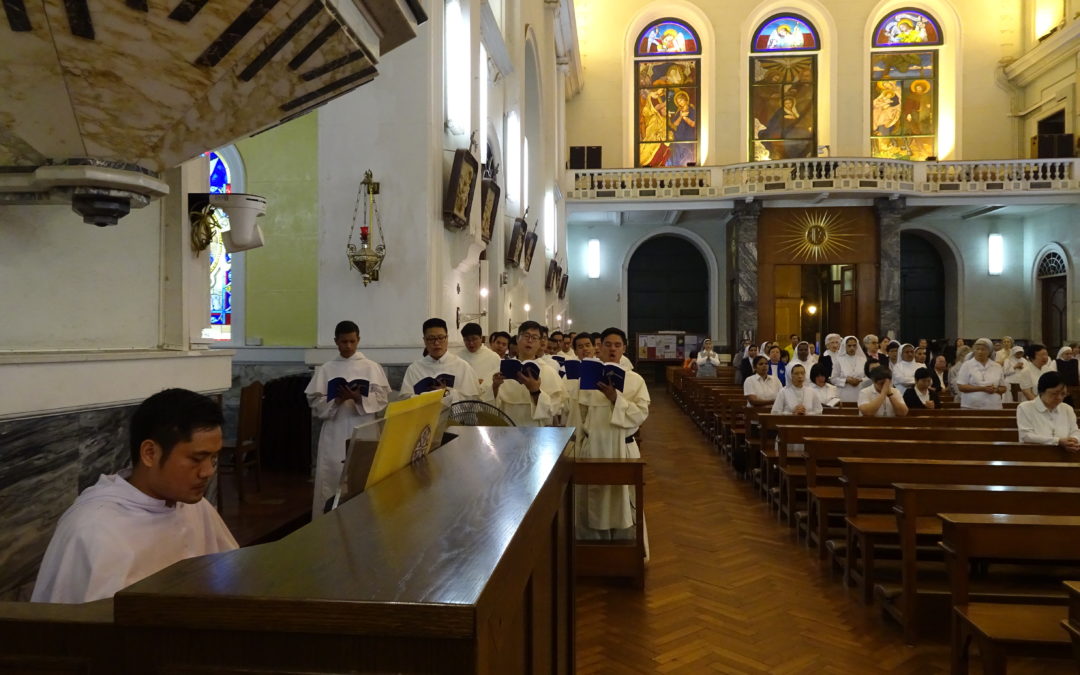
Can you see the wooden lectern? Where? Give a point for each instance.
(459, 564)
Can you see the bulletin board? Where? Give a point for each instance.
(666, 346)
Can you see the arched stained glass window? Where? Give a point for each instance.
(667, 95)
(785, 33)
(1052, 265)
(220, 259)
(783, 89)
(904, 86)
(907, 27)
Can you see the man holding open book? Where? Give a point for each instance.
(526, 389)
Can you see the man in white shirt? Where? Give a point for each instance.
(761, 387)
(483, 361)
(530, 401)
(437, 365)
(345, 411)
(1045, 420)
(132, 524)
(881, 399)
(981, 381)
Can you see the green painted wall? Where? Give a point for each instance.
(281, 281)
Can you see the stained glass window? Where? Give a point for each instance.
(907, 27)
(1052, 265)
(903, 87)
(220, 259)
(668, 96)
(783, 107)
(668, 36)
(784, 33)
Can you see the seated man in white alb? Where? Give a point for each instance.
(439, 369)
(129, 525)
(530, 401)
(881, 399)
(1045, 420)
(761, 387)
(483, 360)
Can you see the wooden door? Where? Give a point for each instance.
(848, 301)
(1054, 312)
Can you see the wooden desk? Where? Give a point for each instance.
(462, 564)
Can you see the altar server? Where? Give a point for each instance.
(137, 522)
(437, 365)
(528, 400)
(344, 409)
(610, 420)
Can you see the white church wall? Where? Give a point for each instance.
(1060, 226)
(600, 303)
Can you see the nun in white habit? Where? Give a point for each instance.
(833, 350)
(802, 357)
(903, 374)
(848, 370)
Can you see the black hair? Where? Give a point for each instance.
(581, 336)
(797, 365)
(817, 370)
(170, 417)
(614, 331)
(870, 365)
(435, 323)
(499, 334)
(344, 328)
(595, 336)
(543, 331)
(513, 339)
(893, 344)
(530, 325)
(558, 332)
(759, 358)
(471, 329)
(1033, 349)
(879, 374)
(1050, 380)
(923, 373)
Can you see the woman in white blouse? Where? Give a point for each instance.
(822, 388)
(1046, 420)
(981, 381)
(761, 387)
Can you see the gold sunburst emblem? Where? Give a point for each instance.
(816, 236)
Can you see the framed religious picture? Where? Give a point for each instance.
(552, 277)
(562, 286)
(457, 204)
(516, 243)
(530, 248)
(489, 205)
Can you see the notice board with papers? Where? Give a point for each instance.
(666, 346)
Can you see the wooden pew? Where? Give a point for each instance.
(1001, 630)
(864, 531)
(917, 506)
(613, 559)
(1072, 623)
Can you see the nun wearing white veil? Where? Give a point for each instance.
(903, 374)
(848, 370)
(832, 352)
(802, 357)
(796, 398)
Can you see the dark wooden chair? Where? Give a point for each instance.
(244, 451)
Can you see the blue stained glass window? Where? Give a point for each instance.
(668, 36)
(220, 259)
(907, 27)
(785, 33)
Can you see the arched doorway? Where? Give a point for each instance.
(667, 287)
(922, 290)
(1053, 282)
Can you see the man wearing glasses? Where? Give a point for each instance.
(530, 401)
(440, 365)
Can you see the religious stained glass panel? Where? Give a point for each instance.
(903, 104)
(783, 107)
(667, 105)
(220, 259)
(667, 36)
(785, 32)
(906, 28)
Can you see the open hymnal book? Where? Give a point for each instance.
(511, 367)
(594, 371)
(334, 385)
(426, 384)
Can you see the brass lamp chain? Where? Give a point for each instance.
(355, 214)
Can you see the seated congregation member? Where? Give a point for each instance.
(797, 398)
(500, 343)
(483, 361)
(776, 366)
(530, 401)
(940, 374)
(920, 356)
(832, 352)
(892, 355)
(903, 371)
(981, 381)
(131, 524)
(746, 368)
(1020, 377)
(922, 394)
(761, 387)
(1067, 366)
(881, 399)
(1046, 420)
(847, 372)
(872, 346)
(707, 360)
(358, 392)
(962, 354)
(610, 418)
(440, 365)
(826, 391)
(1040, 358)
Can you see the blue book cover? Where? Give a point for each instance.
(511, 367)
(430, 383)
(572, 369)
(594, 372)
(334, 385)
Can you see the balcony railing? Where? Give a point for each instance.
(835, 175)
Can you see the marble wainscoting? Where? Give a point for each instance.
(45, 462)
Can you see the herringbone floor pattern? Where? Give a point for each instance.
(729, 590)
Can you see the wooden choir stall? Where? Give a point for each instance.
(461, 563)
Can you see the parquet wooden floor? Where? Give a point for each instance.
(728, 590)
